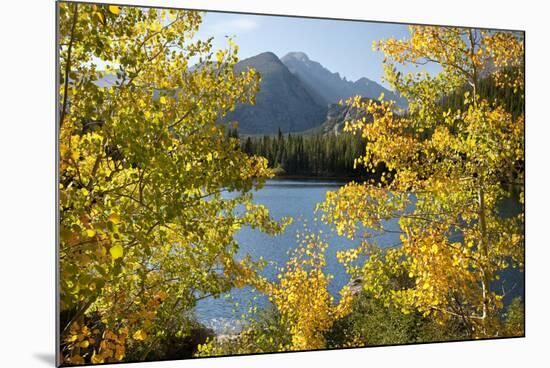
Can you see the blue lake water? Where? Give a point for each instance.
(283, 198)
(298, 199)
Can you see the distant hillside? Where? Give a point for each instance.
(282, 103)
(336, 118)
(331, 87)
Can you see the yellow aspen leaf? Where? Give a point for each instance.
(116, 251)
(139, 335)
(101, 17)
(72, 338)
(97, 359)
(114, 9)
(114, 218)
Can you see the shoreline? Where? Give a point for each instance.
(319, 178)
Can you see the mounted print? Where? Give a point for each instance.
(236, 183)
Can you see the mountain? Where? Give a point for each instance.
(283, 102)
(337, 115)
(296, 95)
(331, 87)
(336, 118)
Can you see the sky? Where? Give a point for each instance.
(340, 46)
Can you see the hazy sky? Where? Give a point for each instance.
(340, 46)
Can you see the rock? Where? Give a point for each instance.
(356, 285)
(337, 116)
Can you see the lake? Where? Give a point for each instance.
(298, 199)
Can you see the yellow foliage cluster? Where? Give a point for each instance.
(304, 309)
(101, 345)
(145, 228)
(302, 296)
(451, 170)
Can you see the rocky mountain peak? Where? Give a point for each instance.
(297, 55)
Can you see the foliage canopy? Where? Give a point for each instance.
(152, 191)
(145, 229)
(451, 170)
